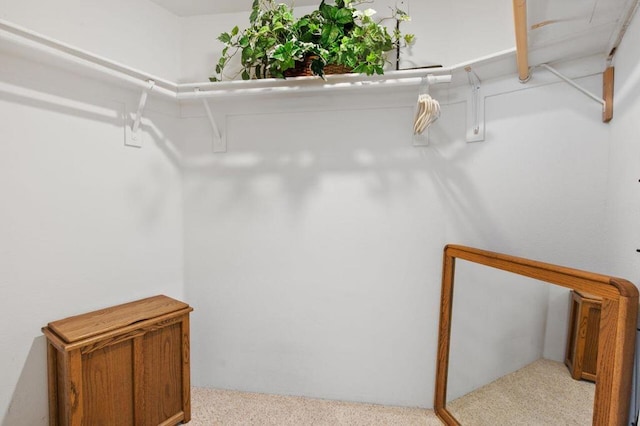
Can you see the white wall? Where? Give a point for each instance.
(308, 248)
(452, 32)
(624, 175)
(314, 253)
(313, 261)
(137, 33)
(536, 187)
(85, 222)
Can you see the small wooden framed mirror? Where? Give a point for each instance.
(617, 324)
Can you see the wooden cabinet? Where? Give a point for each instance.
(124, 365)
(582, 342)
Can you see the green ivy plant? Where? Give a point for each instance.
(338, 34)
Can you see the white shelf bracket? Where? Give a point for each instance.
(572, 83)
(219, 143)
(607, 102)
(475, 108)
(133, 136)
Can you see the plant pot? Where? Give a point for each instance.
(303, 68)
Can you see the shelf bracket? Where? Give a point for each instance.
(133, 135)
(607, 88)
(219, 144)
(475, 108)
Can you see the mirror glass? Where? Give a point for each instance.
(509, 336)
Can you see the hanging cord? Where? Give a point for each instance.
(427, 111)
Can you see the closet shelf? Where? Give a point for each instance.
(53, 51)
(500, 63)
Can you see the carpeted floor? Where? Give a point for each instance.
(542, 393)
(216, 407)
(565, 402)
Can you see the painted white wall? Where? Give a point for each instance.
(526, 191)
(447, 33)
(624, 175)
(309, 247)
(137, 33)
(313, 254)
(313, 262)
(452, 32)
(85, 222)
(537, 182)
(522, 192)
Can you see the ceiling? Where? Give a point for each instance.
(209, 7)
(557, 29)
(581, 26)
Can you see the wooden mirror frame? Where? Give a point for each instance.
(616, 344)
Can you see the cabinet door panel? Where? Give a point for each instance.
(162, 352)
(107, 377)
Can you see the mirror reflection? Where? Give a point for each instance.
(513, 351)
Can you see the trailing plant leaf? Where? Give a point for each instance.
(225, 37)
(338, 33)
(317, 66)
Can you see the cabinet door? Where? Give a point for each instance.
(107, 382)
(590, 361)
(162, 353)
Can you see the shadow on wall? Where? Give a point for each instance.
(59, 92)
(299, 150)
(29, 403)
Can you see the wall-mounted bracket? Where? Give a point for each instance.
(607, 87)
(133, 134)
(608, 78)
(219, 143)
(475, 108)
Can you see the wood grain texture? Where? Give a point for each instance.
(607, 94)
(522, 43)
(73, 388)
(132, 375)
(584, 329)
(52, 382)
(600, 285)
(139, 384)
(592, 332)
(108, 386)
(139, 329)
(83, 326)
(616, 340)
(186, 369)
(163, 374)
(444, 337)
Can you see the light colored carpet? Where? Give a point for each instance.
(216, 407)
(542, 393)
(525, 397)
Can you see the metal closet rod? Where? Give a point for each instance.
(306, 85)
(219, 89)
(106, 66)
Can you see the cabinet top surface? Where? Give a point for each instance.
(91, 324)
(588, 296)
